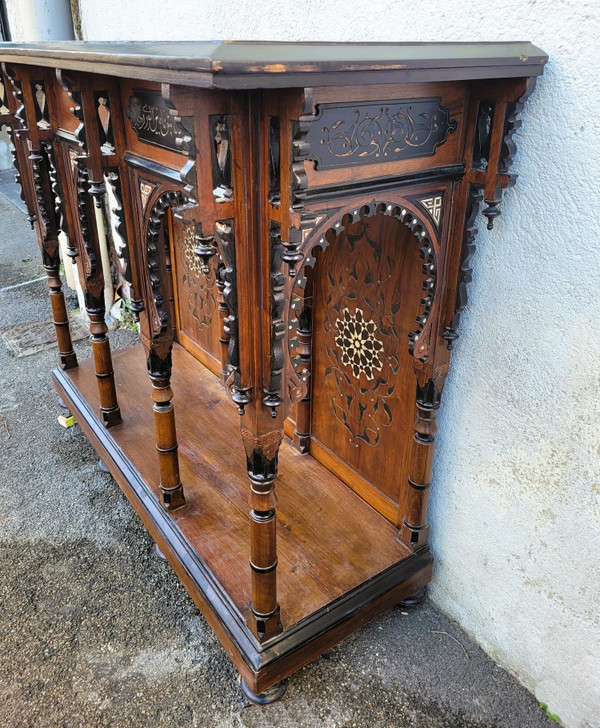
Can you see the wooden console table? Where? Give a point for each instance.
(293, 224)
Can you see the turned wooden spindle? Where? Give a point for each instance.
(414, 530)
(304, 349)
(223, 311)
(159, 369)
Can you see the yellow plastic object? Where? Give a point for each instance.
(68, 421)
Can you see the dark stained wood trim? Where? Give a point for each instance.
(154, 168)
(381, 184)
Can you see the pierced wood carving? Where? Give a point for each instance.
(159, 316)
(361, 334)
(348, 134)
(199, 281)
(105, 129)
(483, 135)
(220, 135)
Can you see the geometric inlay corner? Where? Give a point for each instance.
(433, 204)
(145, 192)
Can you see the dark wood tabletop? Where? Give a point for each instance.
(237, 64)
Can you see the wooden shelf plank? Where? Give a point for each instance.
(329, 540)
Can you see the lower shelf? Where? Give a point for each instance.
(339, 562)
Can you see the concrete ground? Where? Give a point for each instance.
(96, 632)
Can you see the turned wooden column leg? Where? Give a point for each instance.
(414, 530)
(66, 354)
(171, 488)
(261, 452)
(111, 413)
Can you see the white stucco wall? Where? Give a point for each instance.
(515, 509)
(31, 20)
(5, 155)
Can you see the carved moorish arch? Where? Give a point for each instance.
(424, 234)
(370, 337)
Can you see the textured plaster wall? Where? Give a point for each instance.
(515, 509)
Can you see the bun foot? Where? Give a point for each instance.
(62, 403)
(102, 467)
(158, 553)
(413, 599)
(270, 695)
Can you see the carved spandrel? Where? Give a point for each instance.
(344, 135)
(157, 122)
(433, 204)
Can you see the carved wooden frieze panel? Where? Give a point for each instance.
(343, 135)
(156, 122)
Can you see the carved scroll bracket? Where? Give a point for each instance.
(225, 238)
(496, 121)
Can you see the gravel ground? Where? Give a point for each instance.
(96, 632)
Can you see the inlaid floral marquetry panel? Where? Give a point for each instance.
(368, 288)
(359, 344)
